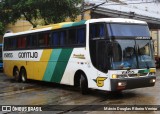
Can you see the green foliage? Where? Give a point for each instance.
(1, 28)
(57, 10)
(49, 11)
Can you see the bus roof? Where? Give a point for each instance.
(117, 20)
(71, 24)
(47, 28)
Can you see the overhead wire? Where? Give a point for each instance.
(125, 3)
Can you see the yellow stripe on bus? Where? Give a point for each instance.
(35, 69)
(41, 65)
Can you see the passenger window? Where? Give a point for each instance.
(72, 36)
(43, 39)
(46, 39)
(63, 38)
(5, 44)
(12, 43)
(55, 39)
(31, 41)
(81, 35)
(21, 42)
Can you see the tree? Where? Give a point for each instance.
(2, 27)
(49, 11)
(57, 10)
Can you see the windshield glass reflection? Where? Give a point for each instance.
(144, 53)
(128, 30)
(132, 54)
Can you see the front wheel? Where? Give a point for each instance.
(23, 75)
(83, 84)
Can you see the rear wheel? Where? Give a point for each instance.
(83, 84)
(23, 75)
(16, 74)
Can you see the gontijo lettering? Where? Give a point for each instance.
(28, 54)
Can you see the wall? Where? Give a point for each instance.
(156, 40)
(19, 26)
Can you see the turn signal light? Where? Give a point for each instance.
(114, 76)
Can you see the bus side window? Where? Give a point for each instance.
(55, 39)
(21, 42)
(46, 37)
(31, 41)
(5, 44)
(97, 31)
(81, 35)
(12, 43)
(42, 39)
(62, 38)
(101, 30)
(72, 36)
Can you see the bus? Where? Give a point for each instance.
(1, 61)
(108, 54)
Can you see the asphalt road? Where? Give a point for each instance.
(67, 99)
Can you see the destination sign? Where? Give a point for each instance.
(143, 38)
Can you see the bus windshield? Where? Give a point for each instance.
(132, 54)
(132, 46)
(128, 30)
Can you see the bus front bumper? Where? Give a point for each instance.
(131, 83)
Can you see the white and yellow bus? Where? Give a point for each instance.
(110, 54)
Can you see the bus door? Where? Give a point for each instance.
(103, 57)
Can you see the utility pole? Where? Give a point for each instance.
(94, 7)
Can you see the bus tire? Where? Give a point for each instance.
(83, 84)
(16, 74)
(23, 75)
